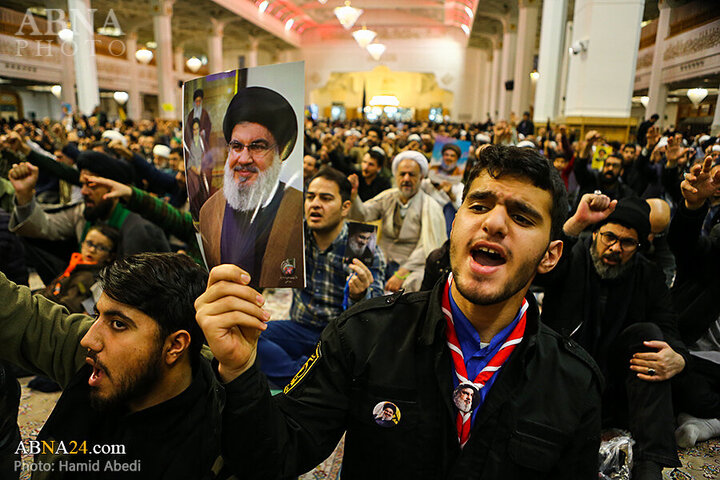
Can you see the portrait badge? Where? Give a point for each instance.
(386, 414)
(466, 397)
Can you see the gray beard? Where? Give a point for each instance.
(607, 272)
(248, 198)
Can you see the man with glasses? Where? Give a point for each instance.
(255, 220)
(613, 301)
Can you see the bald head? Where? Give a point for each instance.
(659, 215)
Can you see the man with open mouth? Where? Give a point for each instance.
(136, 390)
(537, 411)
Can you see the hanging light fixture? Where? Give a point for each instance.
(376, 50)
(469, 11)
(364, 36)
(465, 29)
(121, 97)
(645, 100)
(347, 15)
(56, 90)
(263, 6)
(289, 24)
(144, 56)
(322, 2)
(66, 35)
(194, 64)
(697, 95)
(534, 75)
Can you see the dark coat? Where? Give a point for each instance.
(541, 418)
(571, 297)
(697, 284)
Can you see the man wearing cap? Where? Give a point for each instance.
(29, 220)
(203, 117)
(255, 221)
(413, 224)
(614, 302)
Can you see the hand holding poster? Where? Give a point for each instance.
(448, 159)
(244, 170)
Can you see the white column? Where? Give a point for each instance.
(134, 103)
(552, 36)
(527, 31)
(252, 54)
(179, 60)
(85, 63)
(487, 87)
(495, 83)
(67, 80)
(715, 126)
(215, 46)
(601, 79)
(162, 29)
(564, 69)
(657, 92)
(507, 70)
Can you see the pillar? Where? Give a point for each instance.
(162, 16)
(657, 91)
(252, 54)
(601, 79)
(527, 31)
(67, 79)
(215, 46)
(495, 83)
(487, 89)
(507, 70)
(179, 60)
(134, 103)
(86, 77)
(715, 126)
(552, 39)
(564, 69)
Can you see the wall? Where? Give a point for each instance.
(443, 57)
(44, 104)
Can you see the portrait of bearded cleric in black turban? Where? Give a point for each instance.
(254, 218)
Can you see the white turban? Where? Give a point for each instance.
(161, 151)
(413, 155)
(526, 143)
(115, 135)
(482, 138)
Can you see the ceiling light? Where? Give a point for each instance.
(263, 6)
(384, 100)
(66, 35)
(56, 90)
(376, 50)
(645, 100)
(121, 97)
(194, 64)
(347, 15)
(465, 29)
(534, 75)
(364, 37)
(469, 11)
(289, 24)
(697, 95)
(144, 56)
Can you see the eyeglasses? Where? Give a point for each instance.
(626, 244)
(95, 246)
(255, 149)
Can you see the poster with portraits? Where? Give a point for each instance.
(243, 150)
(361, 242)
(600, 153)
(448, 160)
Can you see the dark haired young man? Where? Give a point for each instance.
(539, 411)
(372, 181)
(132, 377)
(332, 283)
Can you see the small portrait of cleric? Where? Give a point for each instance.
(255, 220)
(361, 242)
(466, 397)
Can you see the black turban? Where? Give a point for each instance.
(103, 165)
(267, 108)
(632, 212)
(198, 93)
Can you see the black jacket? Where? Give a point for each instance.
(572, 303)
(178, 438)
(540, 420)
(697, 284)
